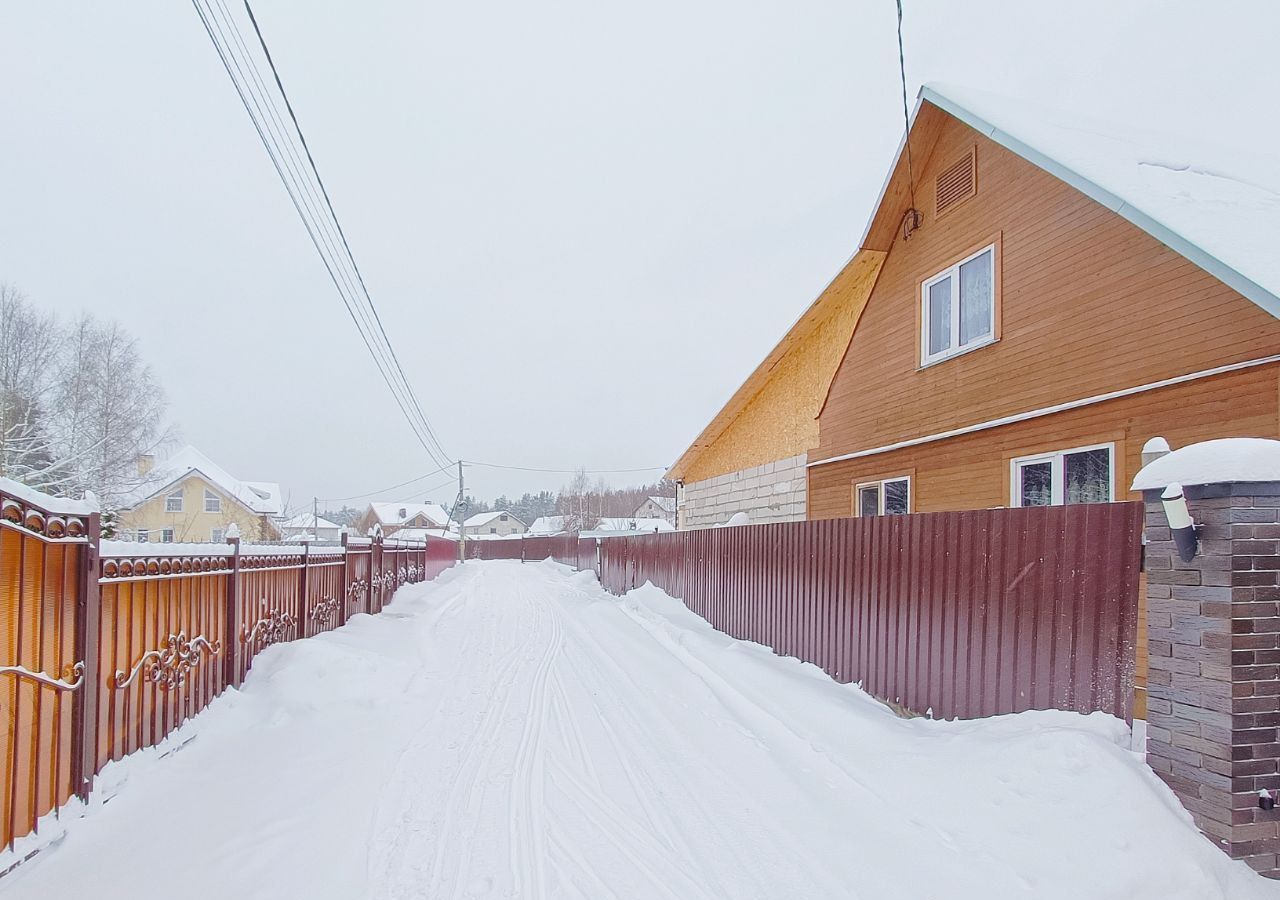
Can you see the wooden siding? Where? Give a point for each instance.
(1089, 304)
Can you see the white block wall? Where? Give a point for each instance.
(773, 492)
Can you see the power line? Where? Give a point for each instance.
(469, 462)
(385, 489)
(913, 214)
(338, 223)
(296, 185)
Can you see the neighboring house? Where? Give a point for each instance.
(188, 497)
(309, 527)
(393, 516)
(547, 525)
(751, 457)
(498, 522)
(657, 508)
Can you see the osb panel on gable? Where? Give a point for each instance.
(780, 420)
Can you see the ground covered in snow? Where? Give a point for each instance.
(512, 731)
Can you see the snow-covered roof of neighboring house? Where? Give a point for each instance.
(261, 497)
(308, 521)
(632, 523)
(485, 518)
(421, 534)
(391, 513)
(1217, 206)
(545, 525)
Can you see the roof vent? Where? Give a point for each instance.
(956, 183)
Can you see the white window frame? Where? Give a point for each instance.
(217, 535)
(879, 485)
(217, 501)
(953, 272)
(143, 536)
(1057, 461)
(166, 535)
(169, 500)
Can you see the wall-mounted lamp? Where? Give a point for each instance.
(1180, 523)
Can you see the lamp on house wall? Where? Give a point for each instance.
(1181, 525)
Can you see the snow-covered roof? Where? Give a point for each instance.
(1213, 462)
(667, 503)
(545, 525)
(632, 523)
(1217, 206)
(421, 534)
(485, 518)
(309, 521)
(393, 513)
(262, 497)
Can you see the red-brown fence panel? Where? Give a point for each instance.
(326, 589)
(42, 557)
(162, 631)
(441, 554)
(963, 614)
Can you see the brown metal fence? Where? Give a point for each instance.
(964, 614)
(103, 655)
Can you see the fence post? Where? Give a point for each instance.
(304, 586)
(343, 599)
(84, 715)
(234, 649)
(375, 573)
(1213, 621)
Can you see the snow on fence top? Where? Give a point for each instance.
(146, 548)
(1213, 462)
(60, 505)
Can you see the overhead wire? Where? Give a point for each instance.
(295, 184)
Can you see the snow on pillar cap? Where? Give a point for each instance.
(1213, 462)
(1155, 445)
(233, 531)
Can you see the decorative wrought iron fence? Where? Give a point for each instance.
(107, 647)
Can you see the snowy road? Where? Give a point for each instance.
(512, 731)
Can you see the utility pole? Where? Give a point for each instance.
(460, 506)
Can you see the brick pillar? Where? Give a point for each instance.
(1213, 720)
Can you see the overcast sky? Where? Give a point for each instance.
(583, 222)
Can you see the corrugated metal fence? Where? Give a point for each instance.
(964, 614)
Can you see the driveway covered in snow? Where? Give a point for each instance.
(513, 731)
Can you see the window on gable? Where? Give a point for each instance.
(1082, 475)
(891, 497)
(173, 502)
(218, 535)
(502, 518)
(958, 307)
(212, 502)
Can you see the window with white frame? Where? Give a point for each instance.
(1081, 475)
(218, 535)
(890, 497)
(958, 307)
(212, 502)
(143, 536)
(173, 502)
(166, 535)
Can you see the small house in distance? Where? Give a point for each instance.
(189, 497)
(392, 516)
(497, 522)
(307, 526)
(657, 508)
(546, 526)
